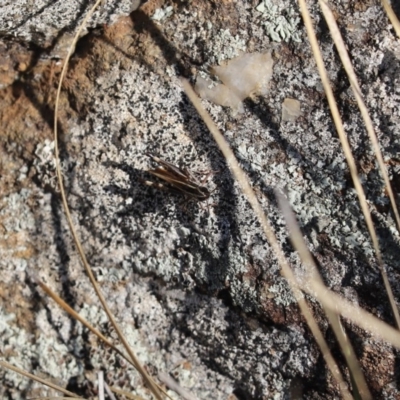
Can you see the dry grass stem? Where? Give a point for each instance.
(392, 16)
(173, 385)
(312, 271)
(251, 197)
(109, 391)
(334, 305)
(337, 38)
(139, 367)
(54, 398)
(37, 379)
(346, 147)
(357, 315)
(83, 321)
(125, 393)
(77, 317)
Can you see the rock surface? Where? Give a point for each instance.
(195, 286)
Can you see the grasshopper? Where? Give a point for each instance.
(179, 180)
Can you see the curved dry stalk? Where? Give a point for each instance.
(148, 379)
(243, 181)
(337, 38)
(61, 303)
(298, 243)
(392, 16)
(68, 309)
(37, 379)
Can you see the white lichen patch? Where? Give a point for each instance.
(162, 13)
(51, 357)
(225, 46)
(45, 164)
(282, 293)
(16, 216)
(17, 221)
(280, 22)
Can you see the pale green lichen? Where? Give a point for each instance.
(280, 23)
(283, 295)
(225, 46)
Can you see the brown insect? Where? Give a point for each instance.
(178, 179)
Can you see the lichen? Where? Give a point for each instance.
(45, 164)
(162, 13)
(280, 23)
